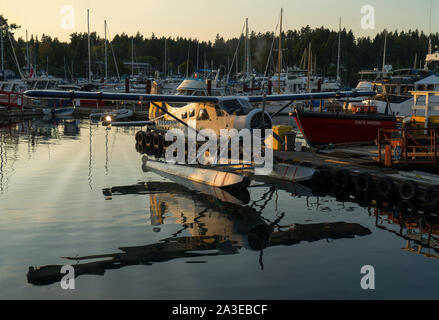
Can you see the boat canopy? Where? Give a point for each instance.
(433, 79)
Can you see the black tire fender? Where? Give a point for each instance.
(342, 178)
(363, 182)
(408, 190)
(432, 194)
(385, 187)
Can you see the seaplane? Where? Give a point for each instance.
(192, 114)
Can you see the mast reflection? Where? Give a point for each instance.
(219, 222)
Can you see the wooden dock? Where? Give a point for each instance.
(354, 169)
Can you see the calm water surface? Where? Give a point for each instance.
(74, 193)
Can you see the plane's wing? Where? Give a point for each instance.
(313, 96)
(109, 96)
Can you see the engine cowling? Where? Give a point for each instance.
(253, 120)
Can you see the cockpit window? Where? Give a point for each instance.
(236, 106)
(192, 113)
(203, 115)
(219, 112)
(231, 105)
(184, 115)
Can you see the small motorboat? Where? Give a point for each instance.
(59, 112)
(114, 115)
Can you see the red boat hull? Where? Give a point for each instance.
(92, 103)
(324, 128)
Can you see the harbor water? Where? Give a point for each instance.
(75, 193)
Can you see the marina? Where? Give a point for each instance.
(173, 234)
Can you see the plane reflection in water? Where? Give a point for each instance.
(219, 222)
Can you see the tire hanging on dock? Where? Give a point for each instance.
(432, 194)
(363, 199)
(139, 136)
(431, 210)
(385, 188)
(384, 203)
(363, 182)
(406, 207)
(148, 140)
(139, 148)
(408, 190)
(322, 175)
(342, 178)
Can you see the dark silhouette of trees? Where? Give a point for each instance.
(356, 53)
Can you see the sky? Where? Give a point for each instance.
(204, 19)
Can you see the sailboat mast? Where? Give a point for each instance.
(106, 52)
(2, 49)
(198, 54)
(339, 48)
(280, 53)
(89, 54)
(65, 69)
(246, 50)
(114, 56)
(385, 50)
(166, 60)
(27, 53)
(187, 62)
(132, 56)
(15, 55)
(309, 67)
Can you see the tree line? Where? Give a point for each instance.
(405, 49)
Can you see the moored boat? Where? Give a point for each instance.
(59, 112)
(321, 128)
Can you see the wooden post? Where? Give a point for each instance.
(127, 85)
(209, 87)
(148, 86)
(388, 156)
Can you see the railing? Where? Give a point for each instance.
(408, 146)
(11, 99)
